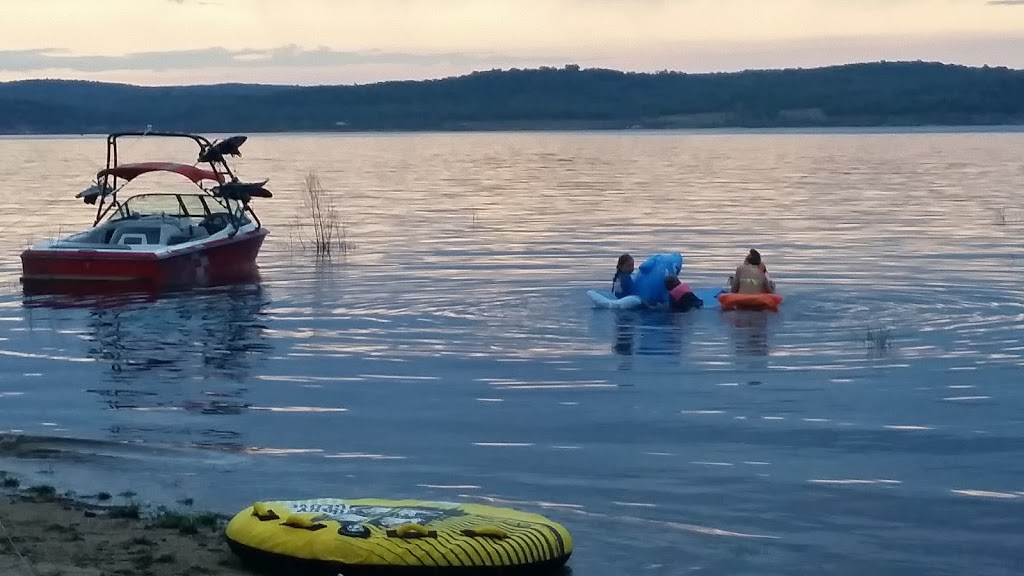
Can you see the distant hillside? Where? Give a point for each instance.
(874, 94)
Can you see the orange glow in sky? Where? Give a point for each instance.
(355, 41)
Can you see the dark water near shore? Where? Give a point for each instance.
(872, 426)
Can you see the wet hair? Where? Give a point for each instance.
(623, 259)
(671, 282)
(754, 257)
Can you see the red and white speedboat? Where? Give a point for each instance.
(159, 240)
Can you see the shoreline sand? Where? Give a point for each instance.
(43, 533)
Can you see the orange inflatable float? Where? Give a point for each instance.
(733, 301)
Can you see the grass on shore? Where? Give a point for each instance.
(45, 533)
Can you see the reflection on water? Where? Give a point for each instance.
(192, 351)
(652, 332)
(200, 334)
(749, 331)
(625, 332)
(695, 337)
(661, 334)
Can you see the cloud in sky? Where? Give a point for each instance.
(219, 57)
(105, 27)
(296, 65)
(343, 41)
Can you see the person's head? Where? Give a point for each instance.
(671, 282)
(625, 264)
(754, 258)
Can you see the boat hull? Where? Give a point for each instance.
(221, 261)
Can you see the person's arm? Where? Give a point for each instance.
(734, 286)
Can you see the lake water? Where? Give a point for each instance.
(872, 426)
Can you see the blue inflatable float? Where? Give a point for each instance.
(649, 286)
(649, 278)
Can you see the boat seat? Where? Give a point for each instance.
(132, 238)
(196, 232)
(154, 234)
(187, 234)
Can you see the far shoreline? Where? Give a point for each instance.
(838, 129)
(880, 95)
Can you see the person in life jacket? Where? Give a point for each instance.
(751, 277)
(680, 297)
(622, 282)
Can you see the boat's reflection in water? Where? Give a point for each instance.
(166, 355)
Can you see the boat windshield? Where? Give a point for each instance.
(181, 205)
(175, 205)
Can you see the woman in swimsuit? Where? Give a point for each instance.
(751, 277)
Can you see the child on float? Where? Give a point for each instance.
(680, 297)
(622, 282)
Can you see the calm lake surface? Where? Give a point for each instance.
(872, 426)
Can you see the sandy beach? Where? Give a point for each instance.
(43, 533)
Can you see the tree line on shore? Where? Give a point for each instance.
(868, 94)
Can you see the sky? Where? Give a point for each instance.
(161, 42)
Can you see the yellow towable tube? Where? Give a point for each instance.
(370, 536)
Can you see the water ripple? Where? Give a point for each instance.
(454, 348)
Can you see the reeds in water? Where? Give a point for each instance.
(321, 215)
